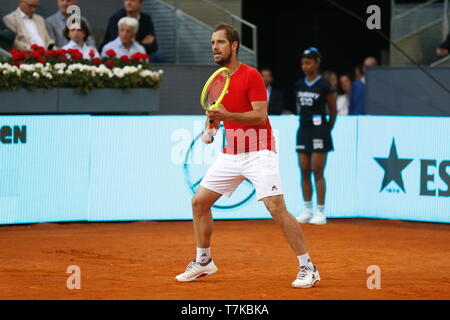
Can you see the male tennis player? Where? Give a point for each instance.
(249, 154)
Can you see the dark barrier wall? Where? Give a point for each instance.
(390, 91)
(179, 94)
(407, 92)
(180, 91)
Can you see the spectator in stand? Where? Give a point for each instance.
(274, 96)
(57, 23)
(7, 37)
(332, 78)
(78, 35)
(146, 33)
(29, 27)
(125, 44)
(359, 71)
(357, 99)
(444, 48)
(345, 90)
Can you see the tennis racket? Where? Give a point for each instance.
(213, 93)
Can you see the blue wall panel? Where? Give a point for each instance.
(47, 178)
(132, 175)
(147, 168)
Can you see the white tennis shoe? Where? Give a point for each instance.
(197, 270)
(319, 219)
(306, 278)
(305, 217)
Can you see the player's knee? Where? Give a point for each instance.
(306, 173)
(318, 173)
(195, 201)
(278, 214)
(276, 208)
(198, 205)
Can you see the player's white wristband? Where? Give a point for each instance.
(212, 132)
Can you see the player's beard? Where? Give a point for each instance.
(225, 60)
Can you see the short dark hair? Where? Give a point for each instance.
(360, 68)
(265, 69)
(84, 28)
(232, 34)
(328, 73)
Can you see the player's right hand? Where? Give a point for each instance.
(207, 138)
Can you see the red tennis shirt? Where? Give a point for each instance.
(246, 86)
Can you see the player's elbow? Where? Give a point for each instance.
(262, 119)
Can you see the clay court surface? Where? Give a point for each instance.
(139, 261)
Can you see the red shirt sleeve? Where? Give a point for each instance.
(257, 90)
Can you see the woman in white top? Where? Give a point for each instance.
(77, 33)
(343, 99)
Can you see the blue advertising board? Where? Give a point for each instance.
(82, 168)
(44, 168)
(404, 168)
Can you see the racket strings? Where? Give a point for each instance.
(215, 89)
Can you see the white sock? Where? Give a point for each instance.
(305, 260)
(321, 209)
(203, 255)
(308, 206)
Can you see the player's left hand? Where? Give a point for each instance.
(219, 114)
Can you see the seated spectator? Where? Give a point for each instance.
(78, 34)
(145, 34)
(274, 96)
(6, 37)
(345, 90)
(332, 78)
(357, 98)
(444, 48)
(29, 27)
(57, 23)
(125, 44)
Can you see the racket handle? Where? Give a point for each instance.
(213, 125)
(211, 121)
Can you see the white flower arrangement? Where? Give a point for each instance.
(38, 75)
(61, 68)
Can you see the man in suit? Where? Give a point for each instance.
(274, 96)
(358, 95)
(29, 27)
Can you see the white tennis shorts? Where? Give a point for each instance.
(229, 171)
